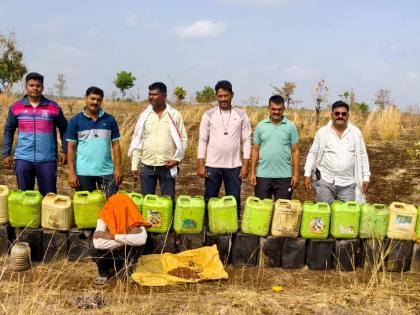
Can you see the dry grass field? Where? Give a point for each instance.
(54, 288)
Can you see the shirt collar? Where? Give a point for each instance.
(42, 101)
(101, 112)
(282, 122)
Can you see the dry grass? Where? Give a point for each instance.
(389, 123)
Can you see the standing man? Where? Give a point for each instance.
(222, 130)
(158, 144)
(35, 156)
(90, 136)
(338, 160)
(275, 150)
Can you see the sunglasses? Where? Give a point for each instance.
(344, 114)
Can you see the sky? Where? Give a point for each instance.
(364, 45)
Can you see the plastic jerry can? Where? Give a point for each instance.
(223, 215)
(402, 221)
(286, 218)
(137, 199)
(373, 221)
(86, 208)
(4, 194)
(158, 212)
(315, 220)
(417, 236)
(57, 212)
(345, 219)
(189, 215)
(256, 218)
(25, 208)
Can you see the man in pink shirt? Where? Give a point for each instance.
(222, 130)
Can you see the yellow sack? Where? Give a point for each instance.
(188, 266)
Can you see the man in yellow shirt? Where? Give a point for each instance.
(158, 144)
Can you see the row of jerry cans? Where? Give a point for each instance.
(350, 220)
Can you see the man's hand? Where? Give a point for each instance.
(365, 187)
(8, 162)
(201, 171)
(308, 183)
(253, 179)
(103, 235)
(295, 181)
(73, 181)
(136, 174)
(171, 163)
(244, 172)
(62, 159)
(118, 176)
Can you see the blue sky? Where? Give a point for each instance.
(361, 45)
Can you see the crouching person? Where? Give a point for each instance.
(119, 238)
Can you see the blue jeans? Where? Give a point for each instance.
(326, 192)
(106, 183)
(149, 175)
(231, 177)
(45, 173)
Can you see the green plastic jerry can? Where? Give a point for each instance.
(345, 219)
(256, 218)
(223, 215)
(315, 222)
(158, 212)
(137, 199)
(373, 221)
(25, 208)
(86, 207)
(189, 215)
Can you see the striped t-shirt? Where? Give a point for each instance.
(93, 138)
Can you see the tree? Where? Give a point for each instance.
(382, 99)
(12, 68)
(179, 94)
(124, 81)
(286, 91)
(251, 101)
(60, 86)
(363, 107)
(206, 95)
(321, 95)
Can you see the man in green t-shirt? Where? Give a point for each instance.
(274, 152)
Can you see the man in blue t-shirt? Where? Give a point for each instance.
(275, 154)
(90, 136)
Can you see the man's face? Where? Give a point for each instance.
(93, 102)
(157, 97)
(34, 88)
(224, 98)
(339, 116)
(276, 111)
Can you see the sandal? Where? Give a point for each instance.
(101, 280)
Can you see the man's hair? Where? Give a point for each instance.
(158, 86)
(34, 76)
(95, 90)
(224, 85)
(340, 104)
(276, 99)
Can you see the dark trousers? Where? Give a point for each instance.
(44, 172)
(110, 262)
(106, 183)
(279, 188)
(150, 175)
(230, 177)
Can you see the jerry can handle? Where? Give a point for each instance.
(199, 197)
(399, 205)
(50, 194)
(228, 198)
(352, 204)
(83, 193)
(323, 205)
(184, 199)
(31, 193)
(308, 202)
(254, 199)
(379, 206)
(151, 197)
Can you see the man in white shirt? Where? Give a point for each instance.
(338, 160)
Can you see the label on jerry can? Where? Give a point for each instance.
(154, 218)
(316, 225)
(403, 222)
(346, 229)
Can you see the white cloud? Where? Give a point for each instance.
(201, 28)
(413, 75)
(300, 72)
(131, 20)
